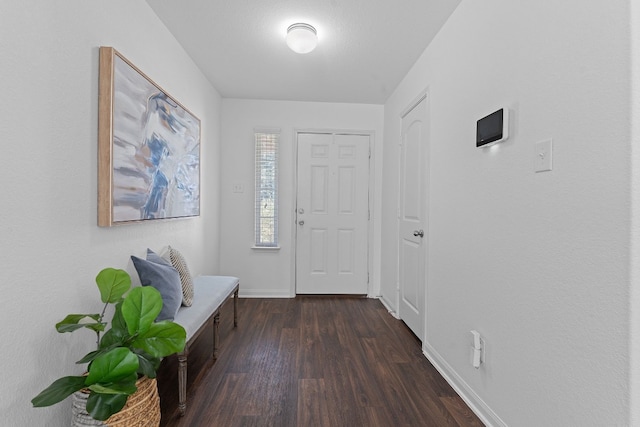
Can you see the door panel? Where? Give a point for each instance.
(318, 253)
(412, 218)
(332, 214)
(319, 189)
(346, 190)
(346, 249)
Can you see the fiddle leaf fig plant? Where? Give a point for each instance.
(132, 347)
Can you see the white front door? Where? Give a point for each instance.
(412, 221)
(332, 214)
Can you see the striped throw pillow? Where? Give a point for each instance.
(178, 262)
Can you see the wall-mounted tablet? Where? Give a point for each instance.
(493, 128)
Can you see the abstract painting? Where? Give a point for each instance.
(148, 148)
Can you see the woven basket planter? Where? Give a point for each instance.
(141, 410)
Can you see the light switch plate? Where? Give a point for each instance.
(543, 152)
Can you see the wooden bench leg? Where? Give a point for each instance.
(216, 335)
(235, 308)
(182, 382)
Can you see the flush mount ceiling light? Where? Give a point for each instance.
(302, 38)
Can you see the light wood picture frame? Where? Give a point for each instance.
(148, 148)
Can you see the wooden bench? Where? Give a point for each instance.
(210, 292)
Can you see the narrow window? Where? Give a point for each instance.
(266, 225)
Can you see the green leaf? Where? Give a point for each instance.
(58, 391)
(97, 327)
(118, 332)
(102, 406)
(89, 357)
(140, 308)
(162, 339)
(126, 386)
(112, 284)
(118, 323)
(113, 366)
(72, 323)
(147, 364)
(112, 338)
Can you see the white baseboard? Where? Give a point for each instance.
(264, 293)
(387, 305)
(475, 403)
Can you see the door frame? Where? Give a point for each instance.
(370, 199)
(423, 95)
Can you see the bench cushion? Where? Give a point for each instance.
(209, 292)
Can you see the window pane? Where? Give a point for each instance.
(267, 231)
(266, 209)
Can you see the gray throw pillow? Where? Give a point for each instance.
(154, 257)
(165, 279)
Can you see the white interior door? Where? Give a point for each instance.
(332, 214)
(412, 221)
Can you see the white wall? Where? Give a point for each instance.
(634, 341)
(269, 272)
(51, 248)
(537, 263)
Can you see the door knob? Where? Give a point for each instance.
(301, 222)
(418, 233)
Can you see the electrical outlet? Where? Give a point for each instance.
(477, 349)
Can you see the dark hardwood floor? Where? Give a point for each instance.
(319, 361)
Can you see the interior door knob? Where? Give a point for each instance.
(301, 222)
(418, 233)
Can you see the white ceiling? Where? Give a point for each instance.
(365, 47)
